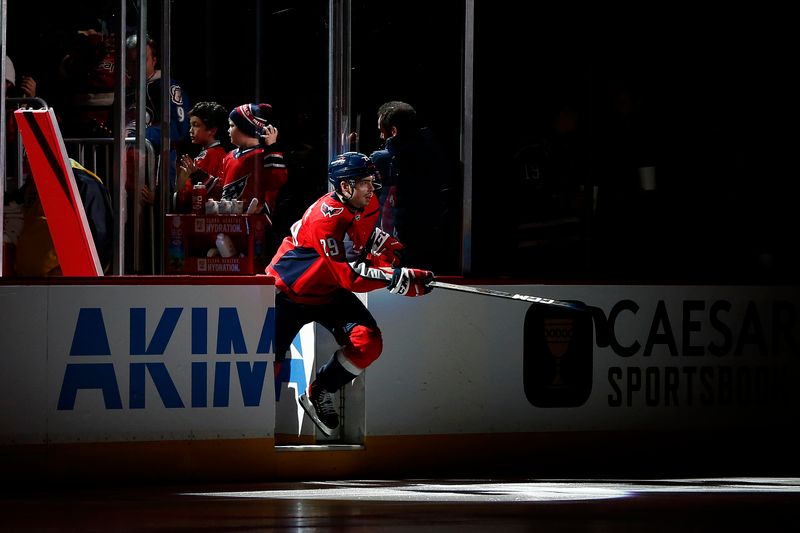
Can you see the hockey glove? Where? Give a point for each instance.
(410, 282)
(385, 249)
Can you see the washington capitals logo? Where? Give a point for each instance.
(329, 211)
(234, 189)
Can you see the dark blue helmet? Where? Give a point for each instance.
(351, 166)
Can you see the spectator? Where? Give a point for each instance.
(207, 122)
(179, 106)
(35, 252)
(254, 172)
(412, 161)
(88, 73)
(255, 169)
(179, 129)
(27, 85)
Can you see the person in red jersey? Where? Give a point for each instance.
(255, 169)
(207, 122)
(334, 250)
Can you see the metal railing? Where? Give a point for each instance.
(96, 155)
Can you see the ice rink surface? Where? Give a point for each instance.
(591, 505)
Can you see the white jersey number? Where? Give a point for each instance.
(330, 246)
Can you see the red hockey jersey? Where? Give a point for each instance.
(210, 162)
(254, 172)
(326, 253)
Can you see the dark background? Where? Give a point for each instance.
(584, 97)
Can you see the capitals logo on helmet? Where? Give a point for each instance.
(351, 167)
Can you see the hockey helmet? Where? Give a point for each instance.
(352, 166)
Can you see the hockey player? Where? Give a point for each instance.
(334, 250)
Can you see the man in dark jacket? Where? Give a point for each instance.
(412, 168)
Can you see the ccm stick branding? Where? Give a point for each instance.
(714, 353)
(147, 356)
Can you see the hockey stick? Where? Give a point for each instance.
(575, 306)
